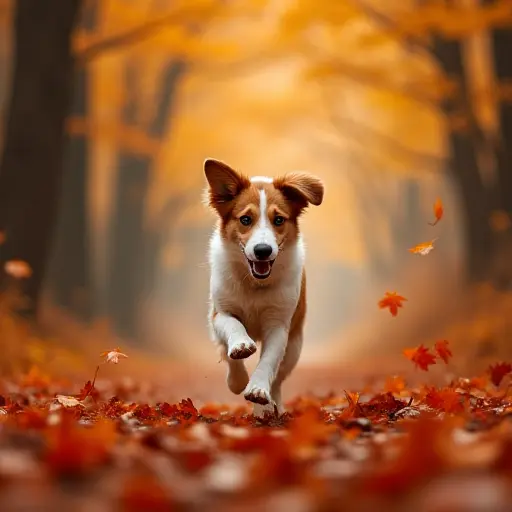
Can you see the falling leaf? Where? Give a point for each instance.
(112, 356)
(393, 301)
(499, 371)
(423, 248)
(442, 350)
(395, 384)
(420, 356)
(438, 211)
(68, 401)
(18, 269)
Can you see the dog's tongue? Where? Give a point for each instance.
(262, 267)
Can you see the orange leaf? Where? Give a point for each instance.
(394, 384)
(112, 356)
(438, 211)
(393, 301)
(423, 248)
(309, 429)
(18, 269)
(420, 356)
(498, 371)
(442, 350)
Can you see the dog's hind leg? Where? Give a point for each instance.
(237, 377)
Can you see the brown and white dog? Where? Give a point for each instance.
(258, 281)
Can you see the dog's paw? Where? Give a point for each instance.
(256, 394)
(242, 350)
(271, 410)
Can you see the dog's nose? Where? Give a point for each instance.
(262, 251)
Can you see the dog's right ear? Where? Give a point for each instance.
(224, 183)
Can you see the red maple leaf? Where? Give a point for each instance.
(420, 356)
(393, 301)
(447, 400)
(498, 371)
(442, 350)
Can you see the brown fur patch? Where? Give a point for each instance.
(248, 203)
(300, 189)
(300, 310)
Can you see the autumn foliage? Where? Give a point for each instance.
(371, 448)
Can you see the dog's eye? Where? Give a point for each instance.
(279, 220)
(245, 220)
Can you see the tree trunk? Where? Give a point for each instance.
(69, 268)
(69, 271)
(31, 167)
(501, 48)
(464, 144)
(128, 256)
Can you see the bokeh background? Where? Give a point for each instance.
(392, 103)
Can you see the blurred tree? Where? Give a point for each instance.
(69, 272)
(31, 166)
(129, 250)
(465, 141)
(501, 48)
(431, 35)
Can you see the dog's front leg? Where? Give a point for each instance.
(272, 353)
(233, 335)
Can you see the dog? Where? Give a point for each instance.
(258, 280)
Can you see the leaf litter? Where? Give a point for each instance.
(380, 449)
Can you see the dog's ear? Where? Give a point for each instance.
(301, 189)
(224, 182)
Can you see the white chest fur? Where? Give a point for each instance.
(258, 307)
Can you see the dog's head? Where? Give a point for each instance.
(259, 215)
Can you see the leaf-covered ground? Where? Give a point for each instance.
(387, 447)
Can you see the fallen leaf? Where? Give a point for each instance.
(438, 211)
(447, 400)
(498, 371)
(18, 269)
(420, 356)
(68, 401)
(75, 450)
(393, 301)
(112, 356)
(423, 248)
(394, 384)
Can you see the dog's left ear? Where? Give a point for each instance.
(301, 188)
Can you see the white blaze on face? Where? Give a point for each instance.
(262, 235)
(262, 179)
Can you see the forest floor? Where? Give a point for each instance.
(416, 441)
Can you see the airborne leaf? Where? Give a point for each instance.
(438, 211)
(442, 350)
(393, 301)
(420, 356)
(423, 248)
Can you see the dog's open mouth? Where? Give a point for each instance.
(261, 269)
